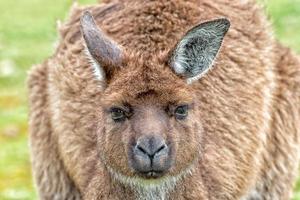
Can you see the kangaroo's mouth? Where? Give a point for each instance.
(152, 174)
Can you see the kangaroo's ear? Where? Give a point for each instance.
(104, 52)
(195, 52)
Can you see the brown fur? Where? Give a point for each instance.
(242, 137)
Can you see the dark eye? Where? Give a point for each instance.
(117, 114)
(181, 112)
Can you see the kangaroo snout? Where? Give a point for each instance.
(151, 156)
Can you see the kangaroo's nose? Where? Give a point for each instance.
(150, 146)
(150, 156)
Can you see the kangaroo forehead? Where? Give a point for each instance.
(145, 92)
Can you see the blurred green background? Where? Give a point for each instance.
(27, 36)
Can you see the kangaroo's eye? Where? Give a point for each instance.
(181, 112)
(117, 114)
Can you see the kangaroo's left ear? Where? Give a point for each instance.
(195, 52)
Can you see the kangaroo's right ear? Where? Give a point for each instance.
(104, 52)
(196, 51)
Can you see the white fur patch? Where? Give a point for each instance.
(97, 69)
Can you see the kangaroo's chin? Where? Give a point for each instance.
(152, 180)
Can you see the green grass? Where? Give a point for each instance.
(285, 15)
(27, 35)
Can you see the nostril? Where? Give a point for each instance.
(150, 152)
(141, 149)
(161, 148)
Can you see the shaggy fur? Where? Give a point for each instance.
(241, 140)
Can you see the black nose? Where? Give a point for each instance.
(151, 156)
